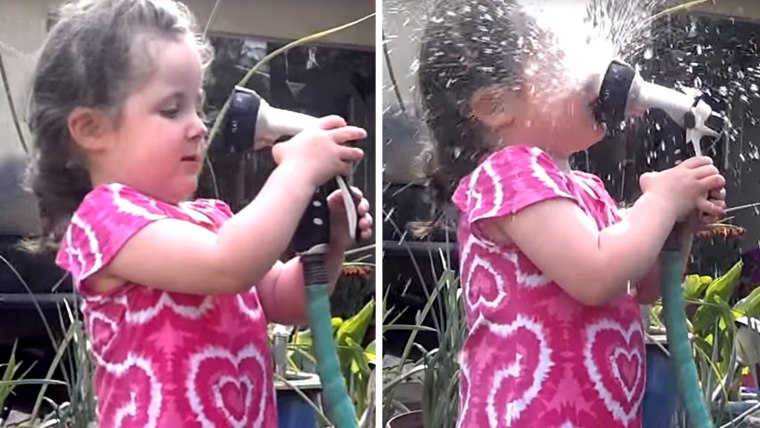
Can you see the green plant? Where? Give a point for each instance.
(440, 404)
(437, 370)
(714, 310)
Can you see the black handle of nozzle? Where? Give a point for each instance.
(609, 107)
(313, 232)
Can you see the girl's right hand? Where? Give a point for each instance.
(321, 152)
(686, 186)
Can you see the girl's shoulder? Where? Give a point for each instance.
(115, 198)
(519, 157)
(520, 173)
(217, 210)
(593, 186)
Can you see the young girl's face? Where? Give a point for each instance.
(159, 142)
(557, 114)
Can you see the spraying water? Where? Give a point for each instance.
(718, 58)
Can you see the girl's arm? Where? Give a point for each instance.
(593, 266)
(648, 289)
(282, 292)
(179, 256)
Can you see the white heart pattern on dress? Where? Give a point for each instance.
(102, 330)
(532, 367)
(76, 259)
(238, 406)
(609, 373)
(214, 385)
(195, 307)
(485, 285)
(137, 406)
(251, 311)
(527, 276)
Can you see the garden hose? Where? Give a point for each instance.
(679, 345)
(311, 243)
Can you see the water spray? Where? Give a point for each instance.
(622, 93)
(310, 240)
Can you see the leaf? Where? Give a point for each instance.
(720, 290)
(725, 285)
(370, 352)
(695, 285)
(355, 327)
(748, 306)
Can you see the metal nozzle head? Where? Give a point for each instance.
(241, 122)
(610, 105)
(252, 123)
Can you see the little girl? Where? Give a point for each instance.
(555, 340)
(177, 294)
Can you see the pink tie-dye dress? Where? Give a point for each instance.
(535, 357)
(166, 359)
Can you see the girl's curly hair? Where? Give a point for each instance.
(466, 46)
(95, 56)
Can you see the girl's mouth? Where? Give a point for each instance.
(191, 158)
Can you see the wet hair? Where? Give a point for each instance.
(95, 56)
(466, 45)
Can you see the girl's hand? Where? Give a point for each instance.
(321, 153)
(684, 187)
(339, 232)
(716, 198)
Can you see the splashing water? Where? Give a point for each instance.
(712, 53)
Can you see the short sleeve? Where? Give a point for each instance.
(105, 220)
(218, 211)
(508, 181)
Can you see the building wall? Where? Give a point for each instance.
(741, 9)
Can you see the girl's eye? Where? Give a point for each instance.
(170, 112)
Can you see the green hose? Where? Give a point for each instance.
(338, 406)
(679, 345)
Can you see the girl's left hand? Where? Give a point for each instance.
(716, 197)
(339, 220)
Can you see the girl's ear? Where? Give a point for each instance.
(495, 107)
(87, 128)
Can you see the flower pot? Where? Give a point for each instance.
(292, 410)
(406, 420)
(660, 396)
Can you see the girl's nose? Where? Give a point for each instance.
(199, 130)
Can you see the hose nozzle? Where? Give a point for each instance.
(270, 124)
(243, 132)
(622, 93)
